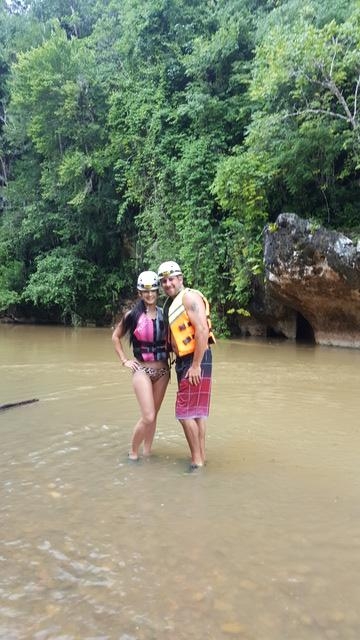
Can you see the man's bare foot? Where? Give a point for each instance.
(194, 467)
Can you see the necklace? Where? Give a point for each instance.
(151, 313)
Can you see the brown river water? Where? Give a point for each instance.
(262, 544)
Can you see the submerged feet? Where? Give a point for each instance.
(194, 467)
(133, 457)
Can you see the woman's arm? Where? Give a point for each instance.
(117, 335)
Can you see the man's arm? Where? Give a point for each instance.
(195, 309)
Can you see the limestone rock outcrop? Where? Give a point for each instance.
(316, 274)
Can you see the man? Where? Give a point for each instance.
(186, 311)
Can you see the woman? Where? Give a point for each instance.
(144, 325)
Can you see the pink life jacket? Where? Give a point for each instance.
(149, 343)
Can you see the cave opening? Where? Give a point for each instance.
(304, 330)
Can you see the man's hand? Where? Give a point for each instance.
(194, 374)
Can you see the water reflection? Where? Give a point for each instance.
(261, 544)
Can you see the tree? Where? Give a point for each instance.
(171, 121)
(61, 191)
(306, 91)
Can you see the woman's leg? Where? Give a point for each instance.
(158, 388)
(144, 393)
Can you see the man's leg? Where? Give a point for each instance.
(193, 399)
(201, 423)
(192, 435)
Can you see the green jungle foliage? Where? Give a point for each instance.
(138, 131)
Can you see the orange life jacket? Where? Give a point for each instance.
(182, 330)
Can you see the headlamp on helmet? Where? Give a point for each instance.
(148, 281)
(168, 269)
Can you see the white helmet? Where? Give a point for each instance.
(169, 268)
(148, 281)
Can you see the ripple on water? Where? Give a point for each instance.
(263, 543)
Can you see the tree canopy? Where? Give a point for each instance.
(138, 131)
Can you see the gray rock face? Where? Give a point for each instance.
(316, 273)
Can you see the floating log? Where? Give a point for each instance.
(10, 405)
